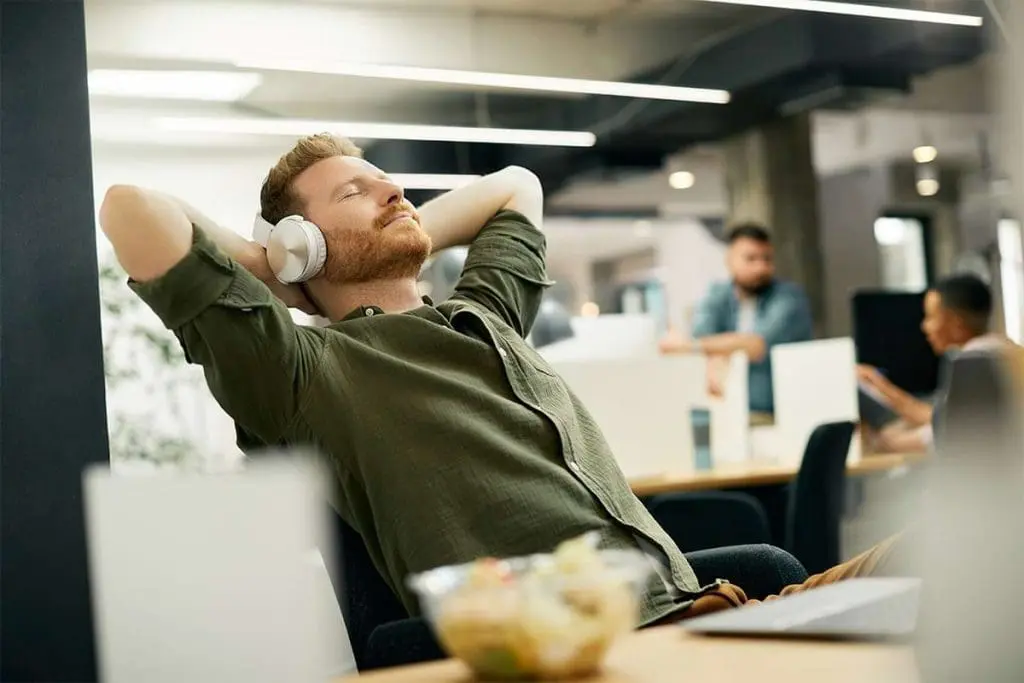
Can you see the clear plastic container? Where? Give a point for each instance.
(548, 616)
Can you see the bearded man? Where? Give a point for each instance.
(448, 437)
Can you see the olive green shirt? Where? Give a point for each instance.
(450, 438)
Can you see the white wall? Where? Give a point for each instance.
(688, 259)
(225, 185)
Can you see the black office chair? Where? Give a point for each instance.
(379, 627)
(383, 635)
(553, 324)
(815, 509)
(711, 519)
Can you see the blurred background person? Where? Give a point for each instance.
(957, 315)
(751, 312)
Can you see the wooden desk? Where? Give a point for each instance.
(669, 654)
(742, 475)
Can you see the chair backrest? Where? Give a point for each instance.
(977, 398)
(366, 599)
(816, 499)
(711, 519)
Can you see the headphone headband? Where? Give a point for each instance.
(261, 229)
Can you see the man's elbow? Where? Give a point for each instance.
(525, 179)
(527, 193)
(757, 348)
(118, 200)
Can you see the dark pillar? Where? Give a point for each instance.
(52, 403)
(770, 179)
(850, 204)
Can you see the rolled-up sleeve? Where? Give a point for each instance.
(257, 361)
(707, 316)
(785, 319)
(505, 270)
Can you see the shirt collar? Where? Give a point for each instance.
(371, 310)
(985, 342)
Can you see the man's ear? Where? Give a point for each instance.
(962, 327)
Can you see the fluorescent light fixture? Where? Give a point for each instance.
(925, 154)
(497, 80)
(379, 131)
(682, 180)
(209, 86)
(431, 181)
(927, 187)
(926, 179)
(860, 10)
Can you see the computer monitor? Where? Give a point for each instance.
(887, 334)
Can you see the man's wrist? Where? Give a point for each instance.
(253, 257)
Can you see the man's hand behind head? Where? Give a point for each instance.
(294, 296)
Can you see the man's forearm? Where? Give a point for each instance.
(149, 233)
(727, 343)
(245, 251)
(456, 217)
(912, 410)
(152, 231)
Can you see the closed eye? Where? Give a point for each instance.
(347, 194)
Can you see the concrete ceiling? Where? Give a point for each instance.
(770, 59)
(949, 109)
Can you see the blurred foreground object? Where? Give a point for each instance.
(545, 616)
(971, 546)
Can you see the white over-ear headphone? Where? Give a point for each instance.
(296, 249)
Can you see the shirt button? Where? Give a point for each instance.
(369, 312)
(574, 466)
(503, 353)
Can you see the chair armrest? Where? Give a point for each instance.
(409, 641)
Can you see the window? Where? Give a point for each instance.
(1011, 272)
(902, 250)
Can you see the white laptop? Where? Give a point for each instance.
(213, 577)
(868, 608)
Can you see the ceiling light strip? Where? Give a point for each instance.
(497, 80)
(431, 181)
(378, 131)
(861, 10)
(212, 86)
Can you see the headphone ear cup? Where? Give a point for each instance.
(317, 255)
(296, 250)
